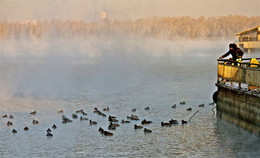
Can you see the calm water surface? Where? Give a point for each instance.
(121, 83)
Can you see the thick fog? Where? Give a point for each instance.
(51, 67)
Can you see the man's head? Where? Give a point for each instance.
(232, 46)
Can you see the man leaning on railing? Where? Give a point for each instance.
(236, 53)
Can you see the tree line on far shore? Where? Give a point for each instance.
(169, 28)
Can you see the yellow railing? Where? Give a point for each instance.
(245, 72)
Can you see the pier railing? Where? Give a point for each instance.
(246, 72)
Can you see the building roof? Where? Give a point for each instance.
(237, 34)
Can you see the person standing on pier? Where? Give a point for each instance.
(236, 53)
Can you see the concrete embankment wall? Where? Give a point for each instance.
(239, 107)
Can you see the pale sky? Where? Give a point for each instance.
(14, 10)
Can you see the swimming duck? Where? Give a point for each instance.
(14, 131)
(54, 126)
(79, 111)
(60, 111)
(33, 113)
(35, 122)
(146, 122)
(114, 124)
(65, 119)
(138, 126)
(82, 118)
(74, 116)
(106, 109)
(106, 133)
(9, 123)
(49, 134)
(5, 116)
(112, 118)
(48, 130)
(125, 121)
(83, 113)
(183, 122)
(101, 130)
(134, 110)
(133, 117)
(147, 108)
(183, 102)
(92, 122)
(110, 127)
(174, 121)
(166, 124)
(11, 116)
(189, 109)
(147, 130)
(26, 128)
(104, 115)
(201, 105)
(174, 106)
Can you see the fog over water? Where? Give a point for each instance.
(122, 73)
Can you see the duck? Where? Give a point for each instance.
(14, 131)
(133, 117)
(183, 122)
(9, 123)
(11, 116)
(111, 127)
(147, 108)
(92, 122)
(166, 124)
(48, 130)
(5, 116)
(114, 124)
(183, 102)
(49, 134)
(189, 109)
(125, 121)
(65, 119)
(201, 105)
(101, 130)
(138, 126)
(174, 121)
(174, 106)
(54, 126)
(33, 113)
(83, 113)
(147, 130)
(26, 128)
(35, 122)
(134, 110)
(82, 118)
(74, 116)
(106, 133)
(112, 118)
(146, 122)
(106, 109)
(79, 111)
(104, 115)
(60, 111)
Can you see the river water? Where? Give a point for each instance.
(50, 76)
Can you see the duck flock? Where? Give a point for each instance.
(113, 121)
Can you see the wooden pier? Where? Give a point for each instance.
(238, 94)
